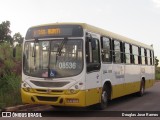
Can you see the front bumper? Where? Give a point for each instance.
(76, 100)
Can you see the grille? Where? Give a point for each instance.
(49, 84)
(51, 99)
(54, 91)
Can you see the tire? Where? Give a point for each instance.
(104, 99)
(142, 89)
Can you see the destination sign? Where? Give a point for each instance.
(54, 31)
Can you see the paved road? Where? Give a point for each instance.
(149, 102)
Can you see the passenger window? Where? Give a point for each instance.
(148, 57)
(142, 56)
(135, 54)
(117, 51)
(106, 49)
(127, 53)
(145, 53)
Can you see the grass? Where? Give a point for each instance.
(157, 73)
(10, 76)
(158, 76)
(10, 90)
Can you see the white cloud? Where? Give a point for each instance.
(157, 3)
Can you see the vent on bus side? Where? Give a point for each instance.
(49, 84)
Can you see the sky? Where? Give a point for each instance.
(136, 19)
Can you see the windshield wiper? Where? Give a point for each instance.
(59, 50)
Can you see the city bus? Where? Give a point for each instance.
(79, 65)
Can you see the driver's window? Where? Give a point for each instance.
(95, 51)
(93, 55)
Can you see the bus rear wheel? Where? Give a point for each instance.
(142, 89)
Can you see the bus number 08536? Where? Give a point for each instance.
(67, 65)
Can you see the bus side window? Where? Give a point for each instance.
(95, 51)
(135, 54)
(106, 49)
(145, 53)
(127, 53)
(93, 55)
(117, 51)
(151, 62)
(148, 57)
(143, 56)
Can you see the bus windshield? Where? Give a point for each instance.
(53, 59)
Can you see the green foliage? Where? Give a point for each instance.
(157, 76)
(17, 37)
(157, 73)
(10, 75)
(6, 58)
(10, 90)
(10, 67)
(18, 53)
(5, 32)
(156, 62)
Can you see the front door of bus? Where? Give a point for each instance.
(93, 66)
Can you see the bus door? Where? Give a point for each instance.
(93, 66)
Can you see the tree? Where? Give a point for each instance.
(5, 32)
(17, 37)
(156, 61)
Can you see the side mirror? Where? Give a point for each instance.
(14, 52)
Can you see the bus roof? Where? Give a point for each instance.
(104, 33)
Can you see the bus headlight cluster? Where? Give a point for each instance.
(74, 89)
(26, 87)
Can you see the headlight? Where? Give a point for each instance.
(26, 87)
(75, 88)
(72, 91)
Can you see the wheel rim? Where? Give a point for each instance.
(142, 88)
(104, 96)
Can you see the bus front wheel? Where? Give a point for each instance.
(104, 99)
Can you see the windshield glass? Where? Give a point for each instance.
(56, 58)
